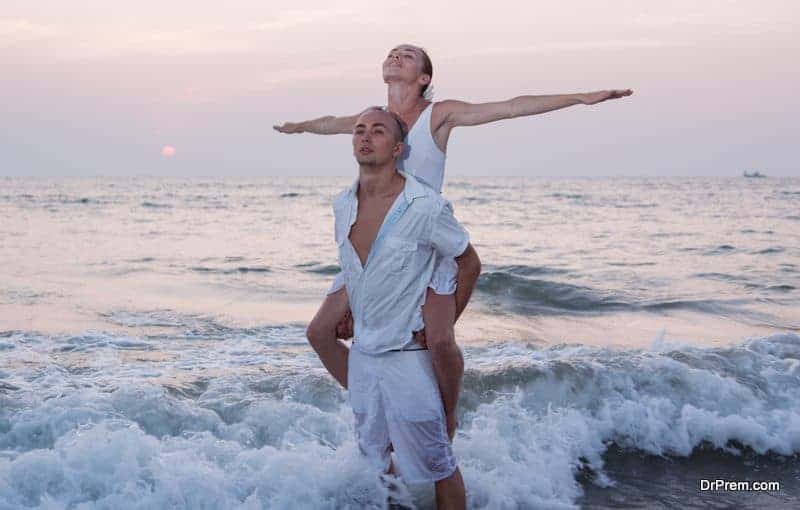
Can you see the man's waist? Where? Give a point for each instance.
(377, 341)
(416, 347)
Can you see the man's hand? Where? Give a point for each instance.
(344, 329)
(289, 128)
(604, 95)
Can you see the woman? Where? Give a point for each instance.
(407, 72)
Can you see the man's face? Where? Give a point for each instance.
(374, 139)
(404, 62)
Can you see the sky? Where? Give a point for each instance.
(192, 88)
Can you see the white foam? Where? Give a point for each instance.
(532, 419)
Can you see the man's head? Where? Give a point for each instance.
(378, 137)
(408, 63)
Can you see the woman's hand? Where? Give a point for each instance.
(289, 127)
(604, 95)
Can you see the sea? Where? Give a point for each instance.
(629, 341)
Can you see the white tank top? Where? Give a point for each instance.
(422, 158)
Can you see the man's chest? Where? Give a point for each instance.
(369, 218)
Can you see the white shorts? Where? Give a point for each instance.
(395, 399)
(442, 282)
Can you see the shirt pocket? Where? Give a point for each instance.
(401, 254)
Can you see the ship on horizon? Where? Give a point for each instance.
(754, 174)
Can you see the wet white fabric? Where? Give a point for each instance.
(386, 294)
(396, 400)
(423, 159)
(443, 282)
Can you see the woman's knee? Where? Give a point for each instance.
(314, 333)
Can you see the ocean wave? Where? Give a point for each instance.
(117, 464)
(667, 481)
(512, 290)
(142, 260)
(781, 288)
(526, 270)
(99, 341)
(151, 318)
(475, 200)
(722, 249)
(571, 196)
(236, 270)
(534, 422)
(664, 401)
(635, 206)
(752, 231)
(156, 205)
(201, 327)
(523, 294)
(317, 268)
(46, 200)
(630, 264)
(771, 249)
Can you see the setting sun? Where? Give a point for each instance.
(168, 151)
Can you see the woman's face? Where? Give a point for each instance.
(404, 61)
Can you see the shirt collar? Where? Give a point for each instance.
(412, 189)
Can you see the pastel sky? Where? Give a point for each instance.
(102, 88)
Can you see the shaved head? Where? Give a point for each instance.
(394, 122)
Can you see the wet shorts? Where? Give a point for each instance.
(395, 399)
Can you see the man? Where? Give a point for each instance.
(408, 72)
(389, 230)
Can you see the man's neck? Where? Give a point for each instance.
(375, 182)
(403, 98)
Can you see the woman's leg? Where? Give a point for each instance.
(439, 315)
(321, 334)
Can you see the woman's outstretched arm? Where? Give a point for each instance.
(328, 125)
(459, 113)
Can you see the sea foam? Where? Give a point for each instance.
(533, 421)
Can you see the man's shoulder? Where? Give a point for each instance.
(426, 199)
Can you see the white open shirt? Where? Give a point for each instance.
(387, 294)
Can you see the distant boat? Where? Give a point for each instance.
(753, 174)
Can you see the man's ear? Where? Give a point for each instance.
(425, 78)
(399, 147)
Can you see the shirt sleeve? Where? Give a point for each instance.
(448, 237)
(337, 284)
(340, 280)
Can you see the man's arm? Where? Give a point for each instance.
(449, 238)
(328, 125)
(459, 113)
(469, 269)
